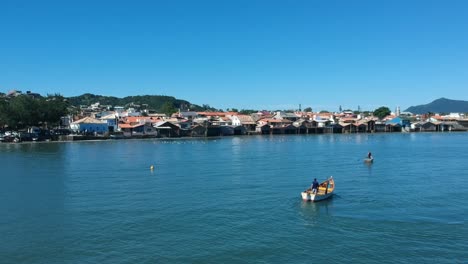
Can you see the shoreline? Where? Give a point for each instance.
(108, 139)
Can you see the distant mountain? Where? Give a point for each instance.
(157, 103)
(442, 105)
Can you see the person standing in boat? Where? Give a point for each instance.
(369, 155)
(315, 186)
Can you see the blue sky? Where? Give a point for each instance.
(241, 54)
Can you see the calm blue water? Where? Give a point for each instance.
(236, 200)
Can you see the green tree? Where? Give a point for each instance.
(168, 108)
(23, 111)
(308, 109)
(53, 107)
(4, 113)
(382, 112)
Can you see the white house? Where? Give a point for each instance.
(89, 125)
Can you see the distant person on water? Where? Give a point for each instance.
(315, 186)
(369, 155)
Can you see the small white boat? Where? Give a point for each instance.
(324, 191)
(369, 160)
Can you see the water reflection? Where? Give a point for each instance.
(368, 164)
(312, 213)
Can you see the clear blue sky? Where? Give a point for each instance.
(241, 54)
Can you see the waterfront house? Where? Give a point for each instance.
(362, 126)
(446, 126)
(277, 130)
(198, 131)
(429, 126)
(240, 130)
(227, 130)
(463, 123)
(244, 120)
(416, 126)
(112, 122)
(323, 123)
(452, 126)
(393, 128)
(369, 123)
(380, 126)
(300, 122)
(213, 131)
(348, 127)
(89, 125)
(264, 129)
(302, 126)
(333, 128)
(323, 119)
(138, 126)
(402, 121)
(274, 122)
(310, 126)
(167, 129)
(289, 129)
(138, 129)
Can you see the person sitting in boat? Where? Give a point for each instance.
(369, 155)
(315, 186)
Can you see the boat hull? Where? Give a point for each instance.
(369, 160)
(307, 196)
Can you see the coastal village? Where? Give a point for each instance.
(98, 121)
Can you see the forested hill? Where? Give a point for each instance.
(442, 105)
(158, 103)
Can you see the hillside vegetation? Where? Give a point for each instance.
(157, 103)
(442, 105)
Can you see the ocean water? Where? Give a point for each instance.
(236, 200)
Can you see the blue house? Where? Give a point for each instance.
(403, 122)
(112, 122)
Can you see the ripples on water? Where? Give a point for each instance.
(236, 200)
